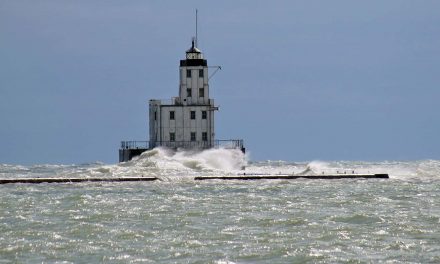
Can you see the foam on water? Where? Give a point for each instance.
(399, 170)
(173, 165)
(169, 164)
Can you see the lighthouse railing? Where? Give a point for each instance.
(188, 101)
(227, 144)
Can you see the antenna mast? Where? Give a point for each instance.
(196, 28)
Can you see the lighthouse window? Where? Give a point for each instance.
(193, 136)
(193, 114)
(201, 92)
(188, 73)
(188, 92)
(200, 73)
(171, 115)
(172, 136)
(204, 136)
(203, 114)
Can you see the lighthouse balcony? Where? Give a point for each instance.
(130, 149)
(177, 101)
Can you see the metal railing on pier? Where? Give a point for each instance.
(228, 144)
(135, 144)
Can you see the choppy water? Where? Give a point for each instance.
(178, 220)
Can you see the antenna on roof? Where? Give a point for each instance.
(196, 27)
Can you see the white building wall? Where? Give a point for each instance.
(194, 83)
(182, 125)
(154, 117)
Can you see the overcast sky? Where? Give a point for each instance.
(300, 80)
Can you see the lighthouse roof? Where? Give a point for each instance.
(193, 49)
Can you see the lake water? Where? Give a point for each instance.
(179, 220)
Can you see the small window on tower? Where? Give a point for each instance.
(188, 92)
(204, 136)
(188, 73)
(172, 136)
(201, 92)
(201, 73)
(171, 115)
(204, 114)
(155, 115)
(193, 136)
(193, 114)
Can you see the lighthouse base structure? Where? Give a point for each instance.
(128, 154)
(131, 149)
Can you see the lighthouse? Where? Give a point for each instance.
(188, 120)
(185, 122)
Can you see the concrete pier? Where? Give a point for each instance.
(243, 177)
(293, 177)
(74, 180)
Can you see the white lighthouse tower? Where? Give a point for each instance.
(187, 121)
